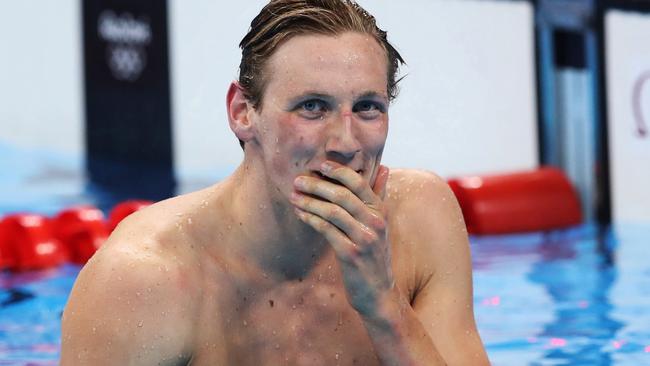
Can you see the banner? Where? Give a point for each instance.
(127, 96)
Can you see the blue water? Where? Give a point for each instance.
(576, 297)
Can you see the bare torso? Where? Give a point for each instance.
(248, 318)
(303, 322)
(204, 304)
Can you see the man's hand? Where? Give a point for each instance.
(353, 218)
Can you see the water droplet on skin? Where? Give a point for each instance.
(189, 221)
(277, 346)
(140, 324)
(94, 330)
(245, 323)
(337, 356)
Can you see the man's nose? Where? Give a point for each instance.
(342, 140)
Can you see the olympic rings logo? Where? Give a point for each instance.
(127, 38)
(637, 103)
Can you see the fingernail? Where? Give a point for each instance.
(326, 167)
(295, 196)
(299, 182)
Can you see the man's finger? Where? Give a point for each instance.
(342, 245)
(350, 179)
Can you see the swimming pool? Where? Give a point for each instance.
(565, 298)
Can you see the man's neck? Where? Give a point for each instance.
(270, 234)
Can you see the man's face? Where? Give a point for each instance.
(325, 99)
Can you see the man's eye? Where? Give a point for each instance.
(312, 108)
(365, 107)
(368, 110)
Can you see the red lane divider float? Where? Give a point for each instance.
(83, 230)
(538, 200)
(31, 242)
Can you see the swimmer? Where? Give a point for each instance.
(311, 252)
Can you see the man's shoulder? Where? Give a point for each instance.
(411, 189)
(423, 208)
(137, 292)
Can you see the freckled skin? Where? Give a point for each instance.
(230, 275)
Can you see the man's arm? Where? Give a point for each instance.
(444, 299)
(127, 307)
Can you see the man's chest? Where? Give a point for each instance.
(314, 326)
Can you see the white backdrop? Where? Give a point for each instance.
(628, 60)
(41, 87)
(466, 106)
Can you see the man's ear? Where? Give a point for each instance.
(238, 112)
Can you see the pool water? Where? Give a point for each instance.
(571, 298)
(575, 297)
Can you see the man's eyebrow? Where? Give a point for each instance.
(372, 95)
(309, 96)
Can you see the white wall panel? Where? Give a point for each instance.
(628, 66)
(41, 75)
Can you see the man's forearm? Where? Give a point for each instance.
(398, 336)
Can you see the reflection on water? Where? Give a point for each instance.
(568, 298)
(578, 279)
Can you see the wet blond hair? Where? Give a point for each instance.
(280, 20)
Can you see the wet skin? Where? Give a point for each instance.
(311, 253)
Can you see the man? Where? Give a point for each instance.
(311, 253)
